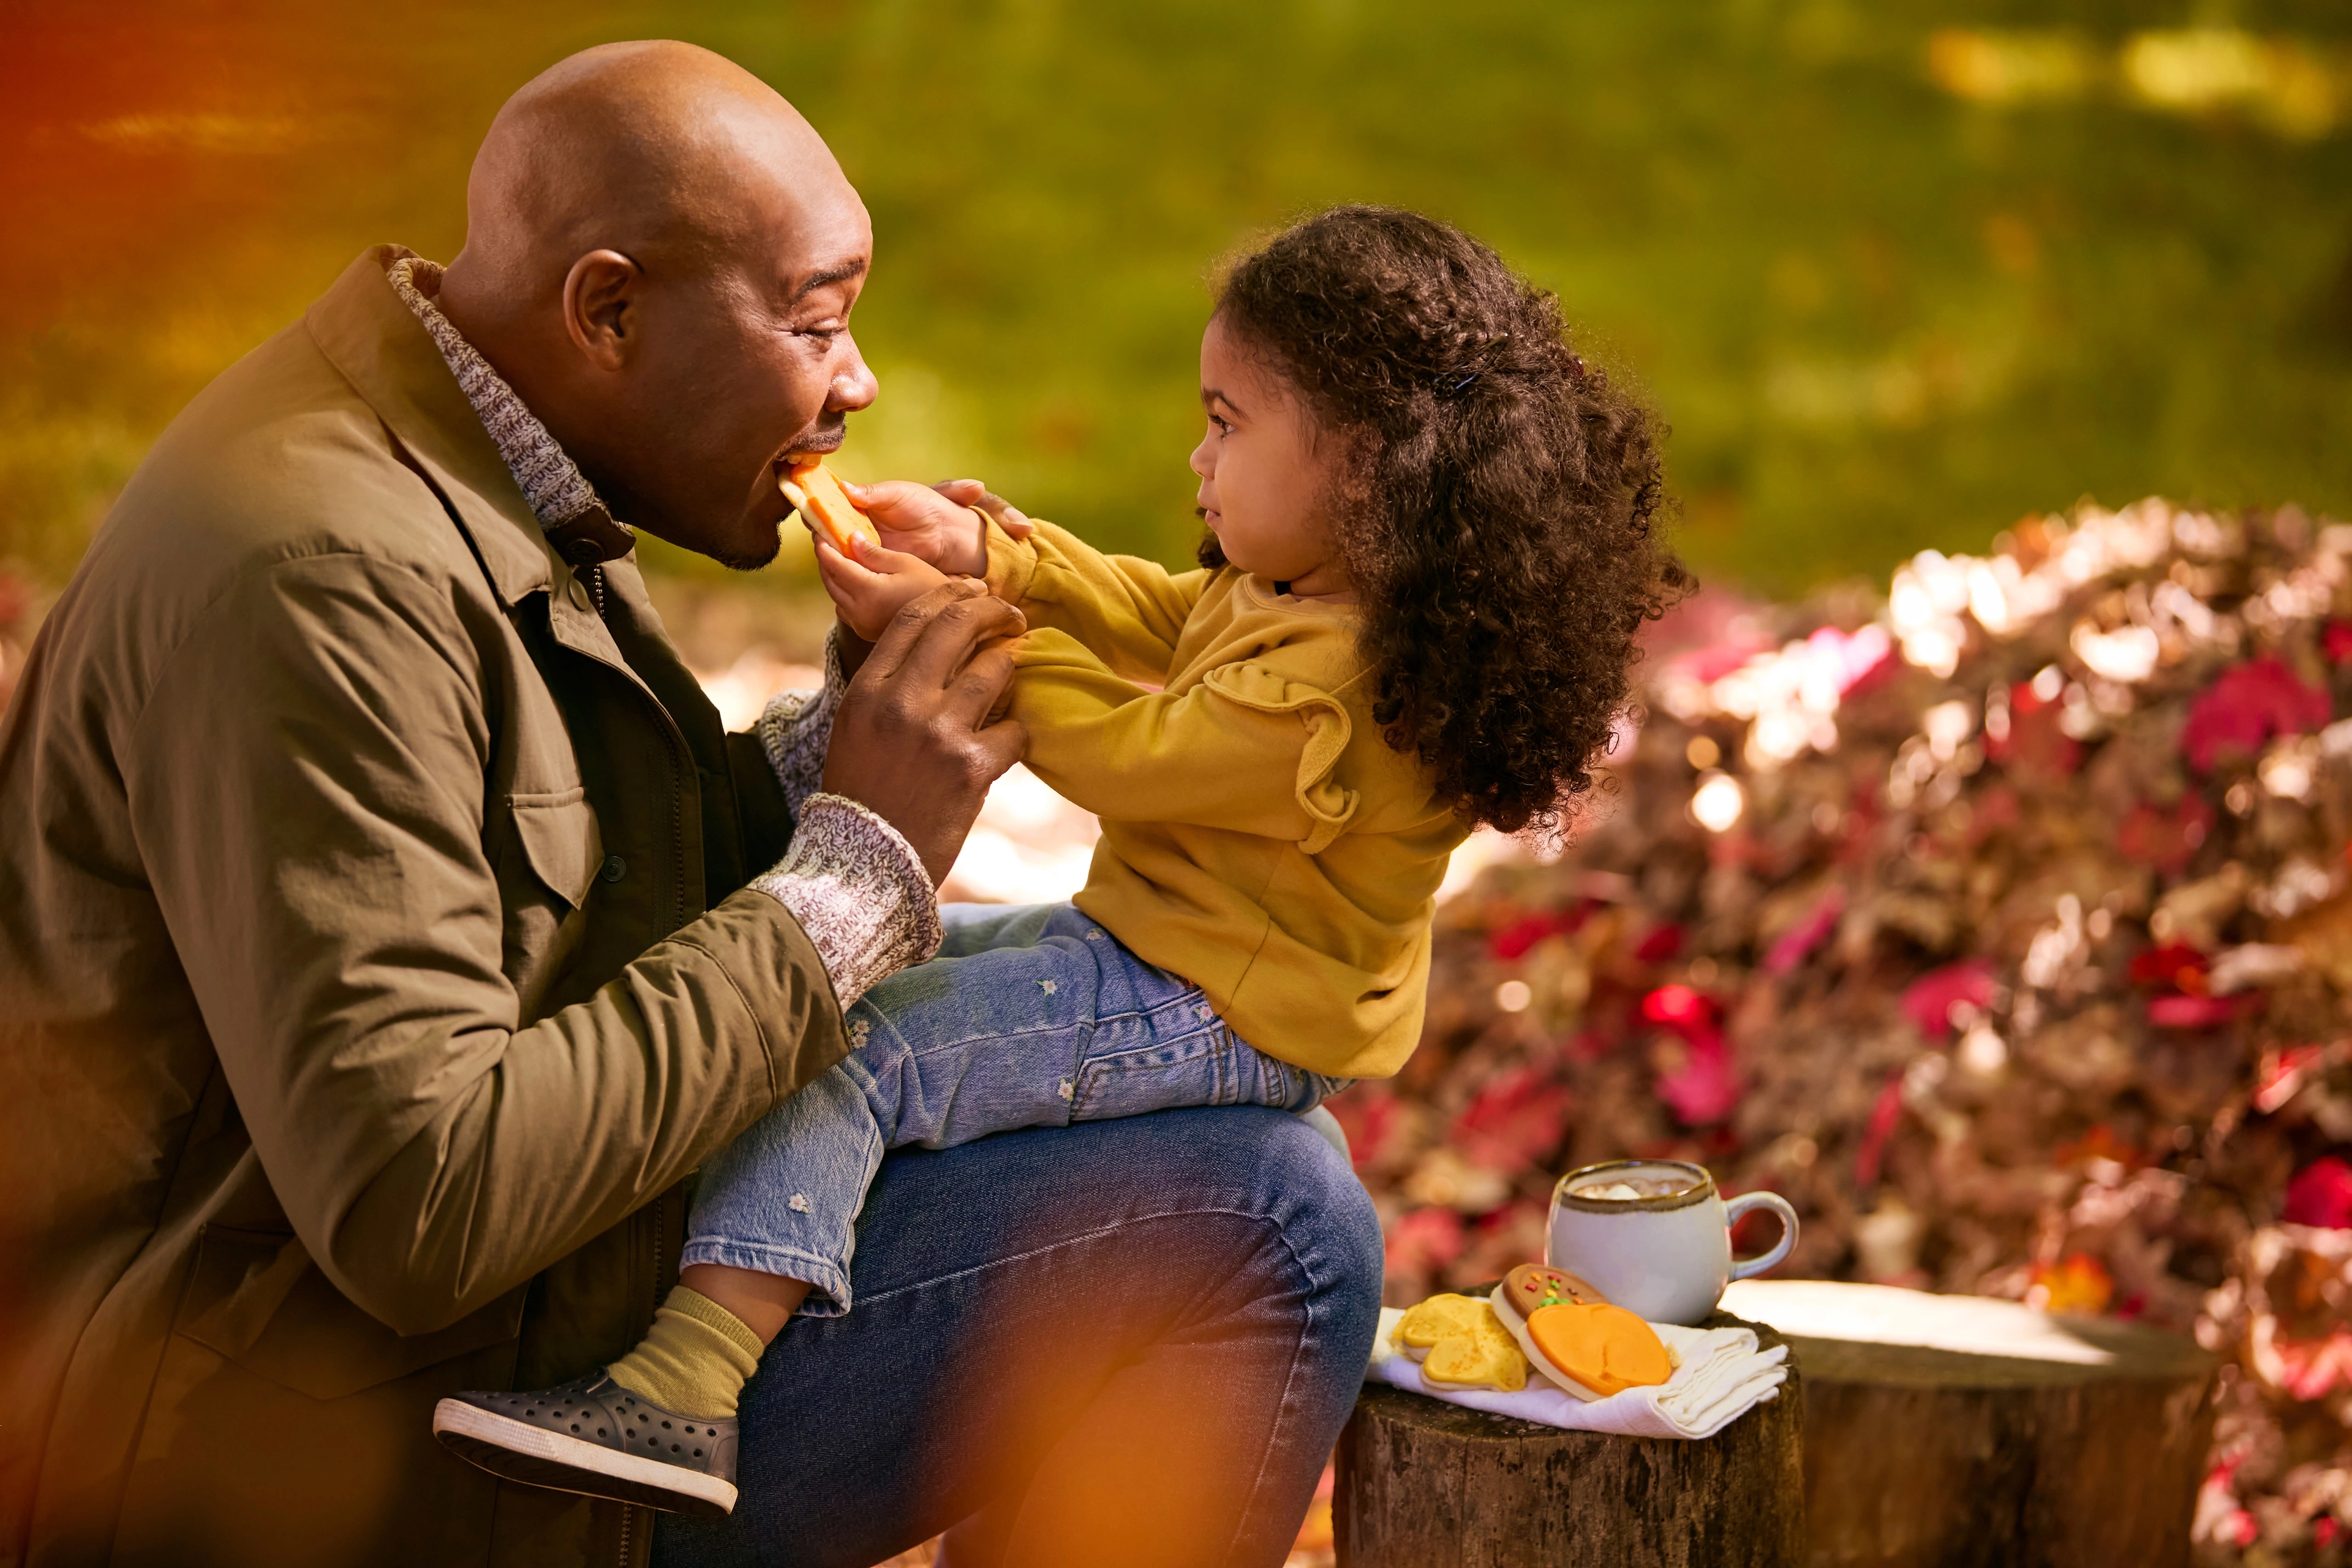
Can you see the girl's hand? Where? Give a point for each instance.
(937, 523)
(872, 589)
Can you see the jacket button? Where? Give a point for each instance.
(580, 599)
(615, 868)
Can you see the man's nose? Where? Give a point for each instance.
(854, 386)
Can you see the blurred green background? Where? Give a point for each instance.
(1894, 272)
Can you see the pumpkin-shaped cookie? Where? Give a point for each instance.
(1595, 1346)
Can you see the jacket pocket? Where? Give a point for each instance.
(561, 840)
(255, 1298)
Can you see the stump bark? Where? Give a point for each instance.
(2006, 1437)
(1423, 1483)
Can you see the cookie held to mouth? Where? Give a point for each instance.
(812, 488)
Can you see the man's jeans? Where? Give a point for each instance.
(1128, 1342)
(1031, 1017)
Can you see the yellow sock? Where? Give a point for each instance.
(694, 1360)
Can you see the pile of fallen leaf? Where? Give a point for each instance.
(1999, 924)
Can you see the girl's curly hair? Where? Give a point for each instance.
(1493, 493)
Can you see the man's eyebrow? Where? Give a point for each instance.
(828, 276)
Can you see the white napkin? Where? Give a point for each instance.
(1722, 1377)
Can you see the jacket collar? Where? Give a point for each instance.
(385, 352)
(558, 494)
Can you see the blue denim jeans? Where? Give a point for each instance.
(1030, 1017)
(1130, 1341)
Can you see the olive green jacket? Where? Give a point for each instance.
(373, 967)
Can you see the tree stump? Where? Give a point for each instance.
(1423, 1484)
(1953, 1432)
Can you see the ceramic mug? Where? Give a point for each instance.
(1664, 1255)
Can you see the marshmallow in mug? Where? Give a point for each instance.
(1655, 1235)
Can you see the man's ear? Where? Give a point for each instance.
(599, 307)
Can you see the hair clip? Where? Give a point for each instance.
(1576, 366)
(1456, 385)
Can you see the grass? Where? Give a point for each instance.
(1883, 304)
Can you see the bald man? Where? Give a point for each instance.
(390, 930)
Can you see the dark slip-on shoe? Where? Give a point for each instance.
(593, 1436)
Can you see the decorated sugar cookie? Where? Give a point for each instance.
(1533, 1285)
(1459, 1343)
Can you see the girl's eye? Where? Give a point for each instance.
(1223, 429)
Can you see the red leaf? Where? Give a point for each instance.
(1704, 1086)
(2249, 704)
(1373, 1119)
(2321, 1195)
(1512, 942)
(1885, 1112)
(2197, 1011)
(1678, 1007)
(2173, 963)
(1423, 1242)
(1929, 1001)
(1661, 943)
(2166, 839)
(2036, 743)
(1796, 943)
(1517, 1119)
(2313, 1369)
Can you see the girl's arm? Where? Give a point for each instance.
(1247, 750)
(1129, 610)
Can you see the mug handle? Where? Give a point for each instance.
(1745, 1269)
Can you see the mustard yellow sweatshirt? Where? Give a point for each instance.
(1259, 839)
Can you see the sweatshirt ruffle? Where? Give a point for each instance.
(1329, 805)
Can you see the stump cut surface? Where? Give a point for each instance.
(1953, 1432)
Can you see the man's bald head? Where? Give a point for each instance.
(662, 151)
(661, 255)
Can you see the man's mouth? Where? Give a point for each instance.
(806, 448)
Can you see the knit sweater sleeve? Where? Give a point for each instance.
(797, 726)
(860, 892)
(855, 884)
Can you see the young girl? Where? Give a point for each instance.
(1429, 550)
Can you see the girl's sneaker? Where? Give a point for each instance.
(592, 1435)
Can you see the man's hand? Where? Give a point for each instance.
(939, 523)
(911, 741)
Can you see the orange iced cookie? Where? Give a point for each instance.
(1602, 1347)
(810, 486)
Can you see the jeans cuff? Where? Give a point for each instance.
(828, 1282)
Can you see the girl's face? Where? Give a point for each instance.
(1261, 475)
